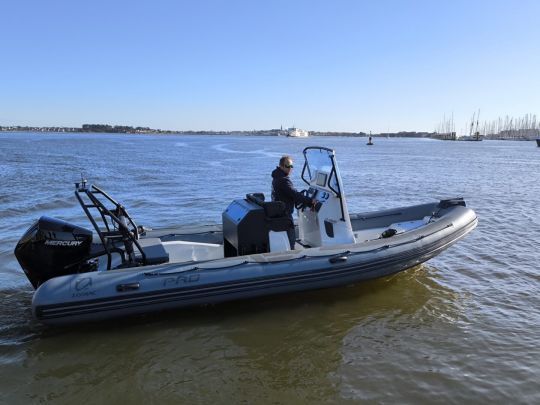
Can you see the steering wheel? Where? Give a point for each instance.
(301, 205)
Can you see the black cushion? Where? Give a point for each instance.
(154, 251)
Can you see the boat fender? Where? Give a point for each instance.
(388, 233)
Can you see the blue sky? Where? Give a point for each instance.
(320, 65)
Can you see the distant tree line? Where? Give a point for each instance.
(122, 129)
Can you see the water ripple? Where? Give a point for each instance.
(462, 328)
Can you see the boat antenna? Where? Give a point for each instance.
(82, 185)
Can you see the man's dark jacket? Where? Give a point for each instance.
(283, 190)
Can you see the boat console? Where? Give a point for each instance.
(253, 225)
(328, 223)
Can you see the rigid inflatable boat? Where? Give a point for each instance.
(124, 269)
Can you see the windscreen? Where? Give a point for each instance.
(320, 161)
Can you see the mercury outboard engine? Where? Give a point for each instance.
(51, 248)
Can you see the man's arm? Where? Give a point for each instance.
(291, 192)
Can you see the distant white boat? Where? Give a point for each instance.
(297, 133)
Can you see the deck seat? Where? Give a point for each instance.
(154, 250)
(276, 218)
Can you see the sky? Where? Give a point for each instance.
(240, 65)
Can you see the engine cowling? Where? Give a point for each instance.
(52, 247)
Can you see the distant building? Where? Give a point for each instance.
(297, 133)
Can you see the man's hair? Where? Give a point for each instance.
(284, 159)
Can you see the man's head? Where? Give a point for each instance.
(286, 164)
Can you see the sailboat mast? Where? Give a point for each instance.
(472, 124)
(477, 134)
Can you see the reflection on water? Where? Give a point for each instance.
(462, 328)
(294, 346)
(414, 319)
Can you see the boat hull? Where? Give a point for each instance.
(120, 293)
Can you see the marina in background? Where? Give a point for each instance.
(525, 128)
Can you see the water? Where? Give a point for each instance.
(463, 327)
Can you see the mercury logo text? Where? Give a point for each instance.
(63, 242)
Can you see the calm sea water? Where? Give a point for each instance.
(464, 327)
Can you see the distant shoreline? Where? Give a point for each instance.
(222, 133)
(123, 130)
(127, 130)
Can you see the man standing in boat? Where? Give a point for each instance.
(284, 191)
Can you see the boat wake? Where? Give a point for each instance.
(224, 149)
(17, 324)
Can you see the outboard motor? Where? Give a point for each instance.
(51, 248)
